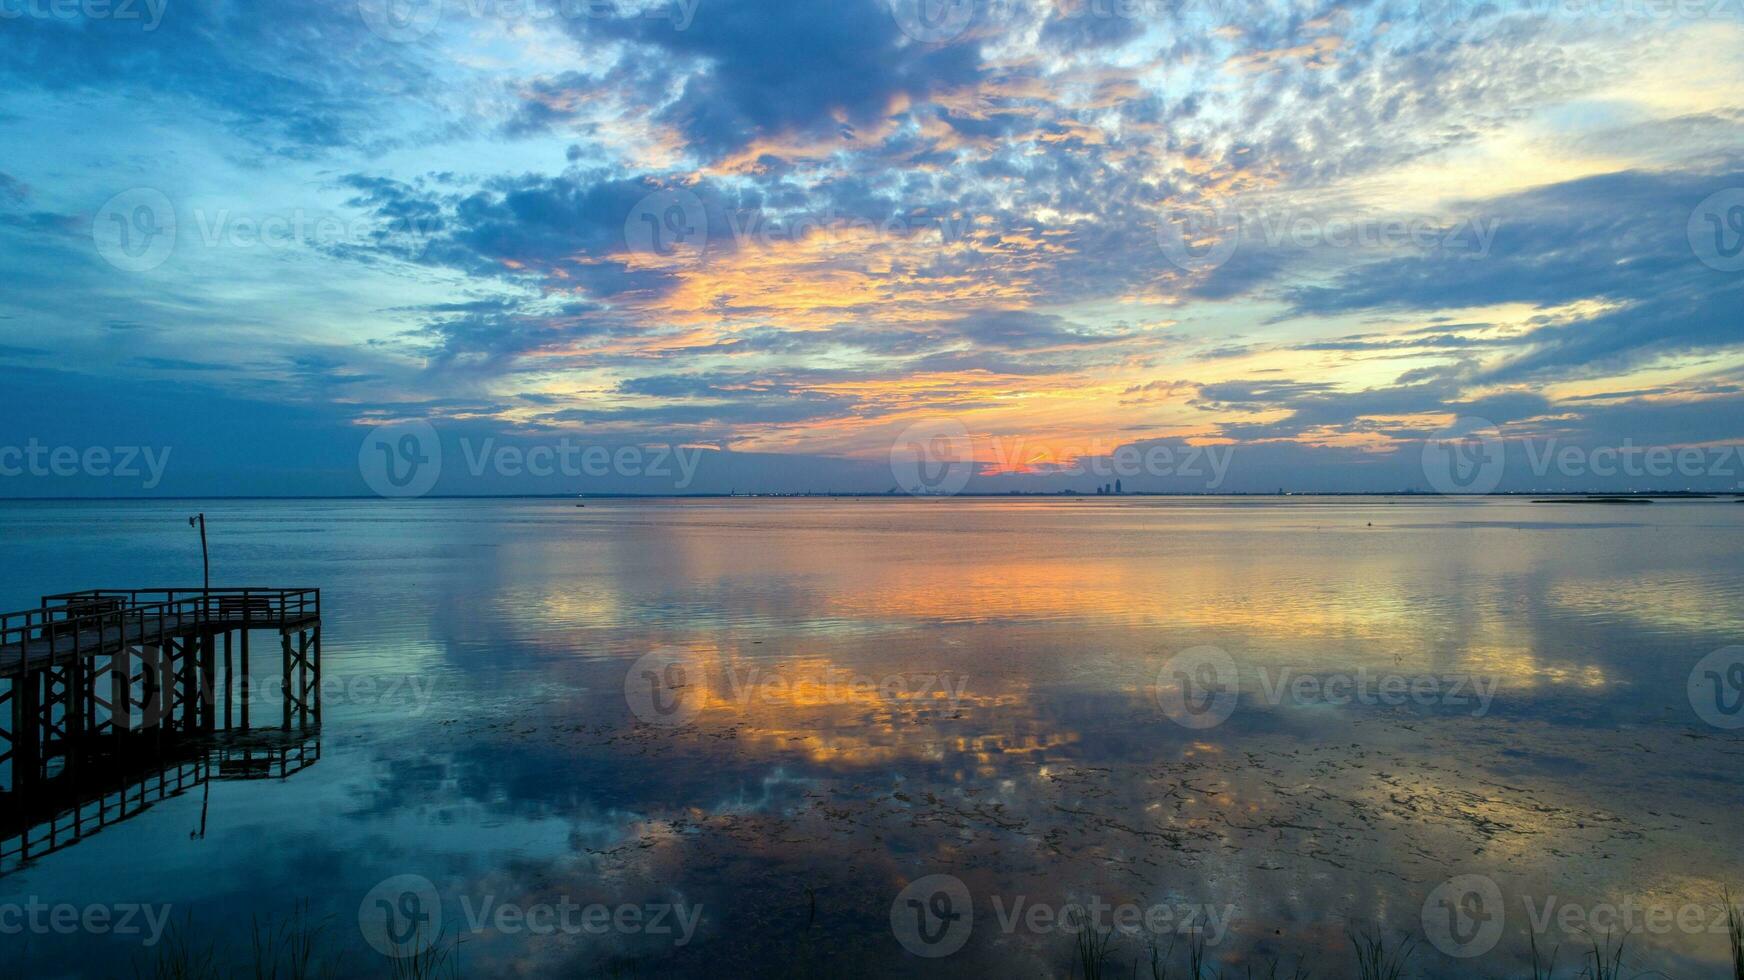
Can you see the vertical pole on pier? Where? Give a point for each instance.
(229, 679)
(285, 640)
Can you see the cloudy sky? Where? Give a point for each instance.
(798, 233)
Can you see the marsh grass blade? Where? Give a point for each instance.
(1375, 960)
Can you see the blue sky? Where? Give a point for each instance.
(790, 236)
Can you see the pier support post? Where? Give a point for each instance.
(247, 678)
(208, 694)
(121, 692)
(10, 736)
(285, 641)
(305, 643)
(78, 705)
(190, 681)
(229, 680)
(316, 670)
(26, 732)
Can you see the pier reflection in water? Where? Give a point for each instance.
(67, 810)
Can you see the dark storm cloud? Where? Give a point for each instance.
(761, 67)
(491, 337)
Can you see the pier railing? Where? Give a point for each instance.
(68, 629)
(226, 605)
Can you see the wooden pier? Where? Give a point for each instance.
(90, 677)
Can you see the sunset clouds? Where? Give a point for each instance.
(1312, 232)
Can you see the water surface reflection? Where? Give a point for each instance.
(894, 689)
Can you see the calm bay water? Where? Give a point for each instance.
(981, 689)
